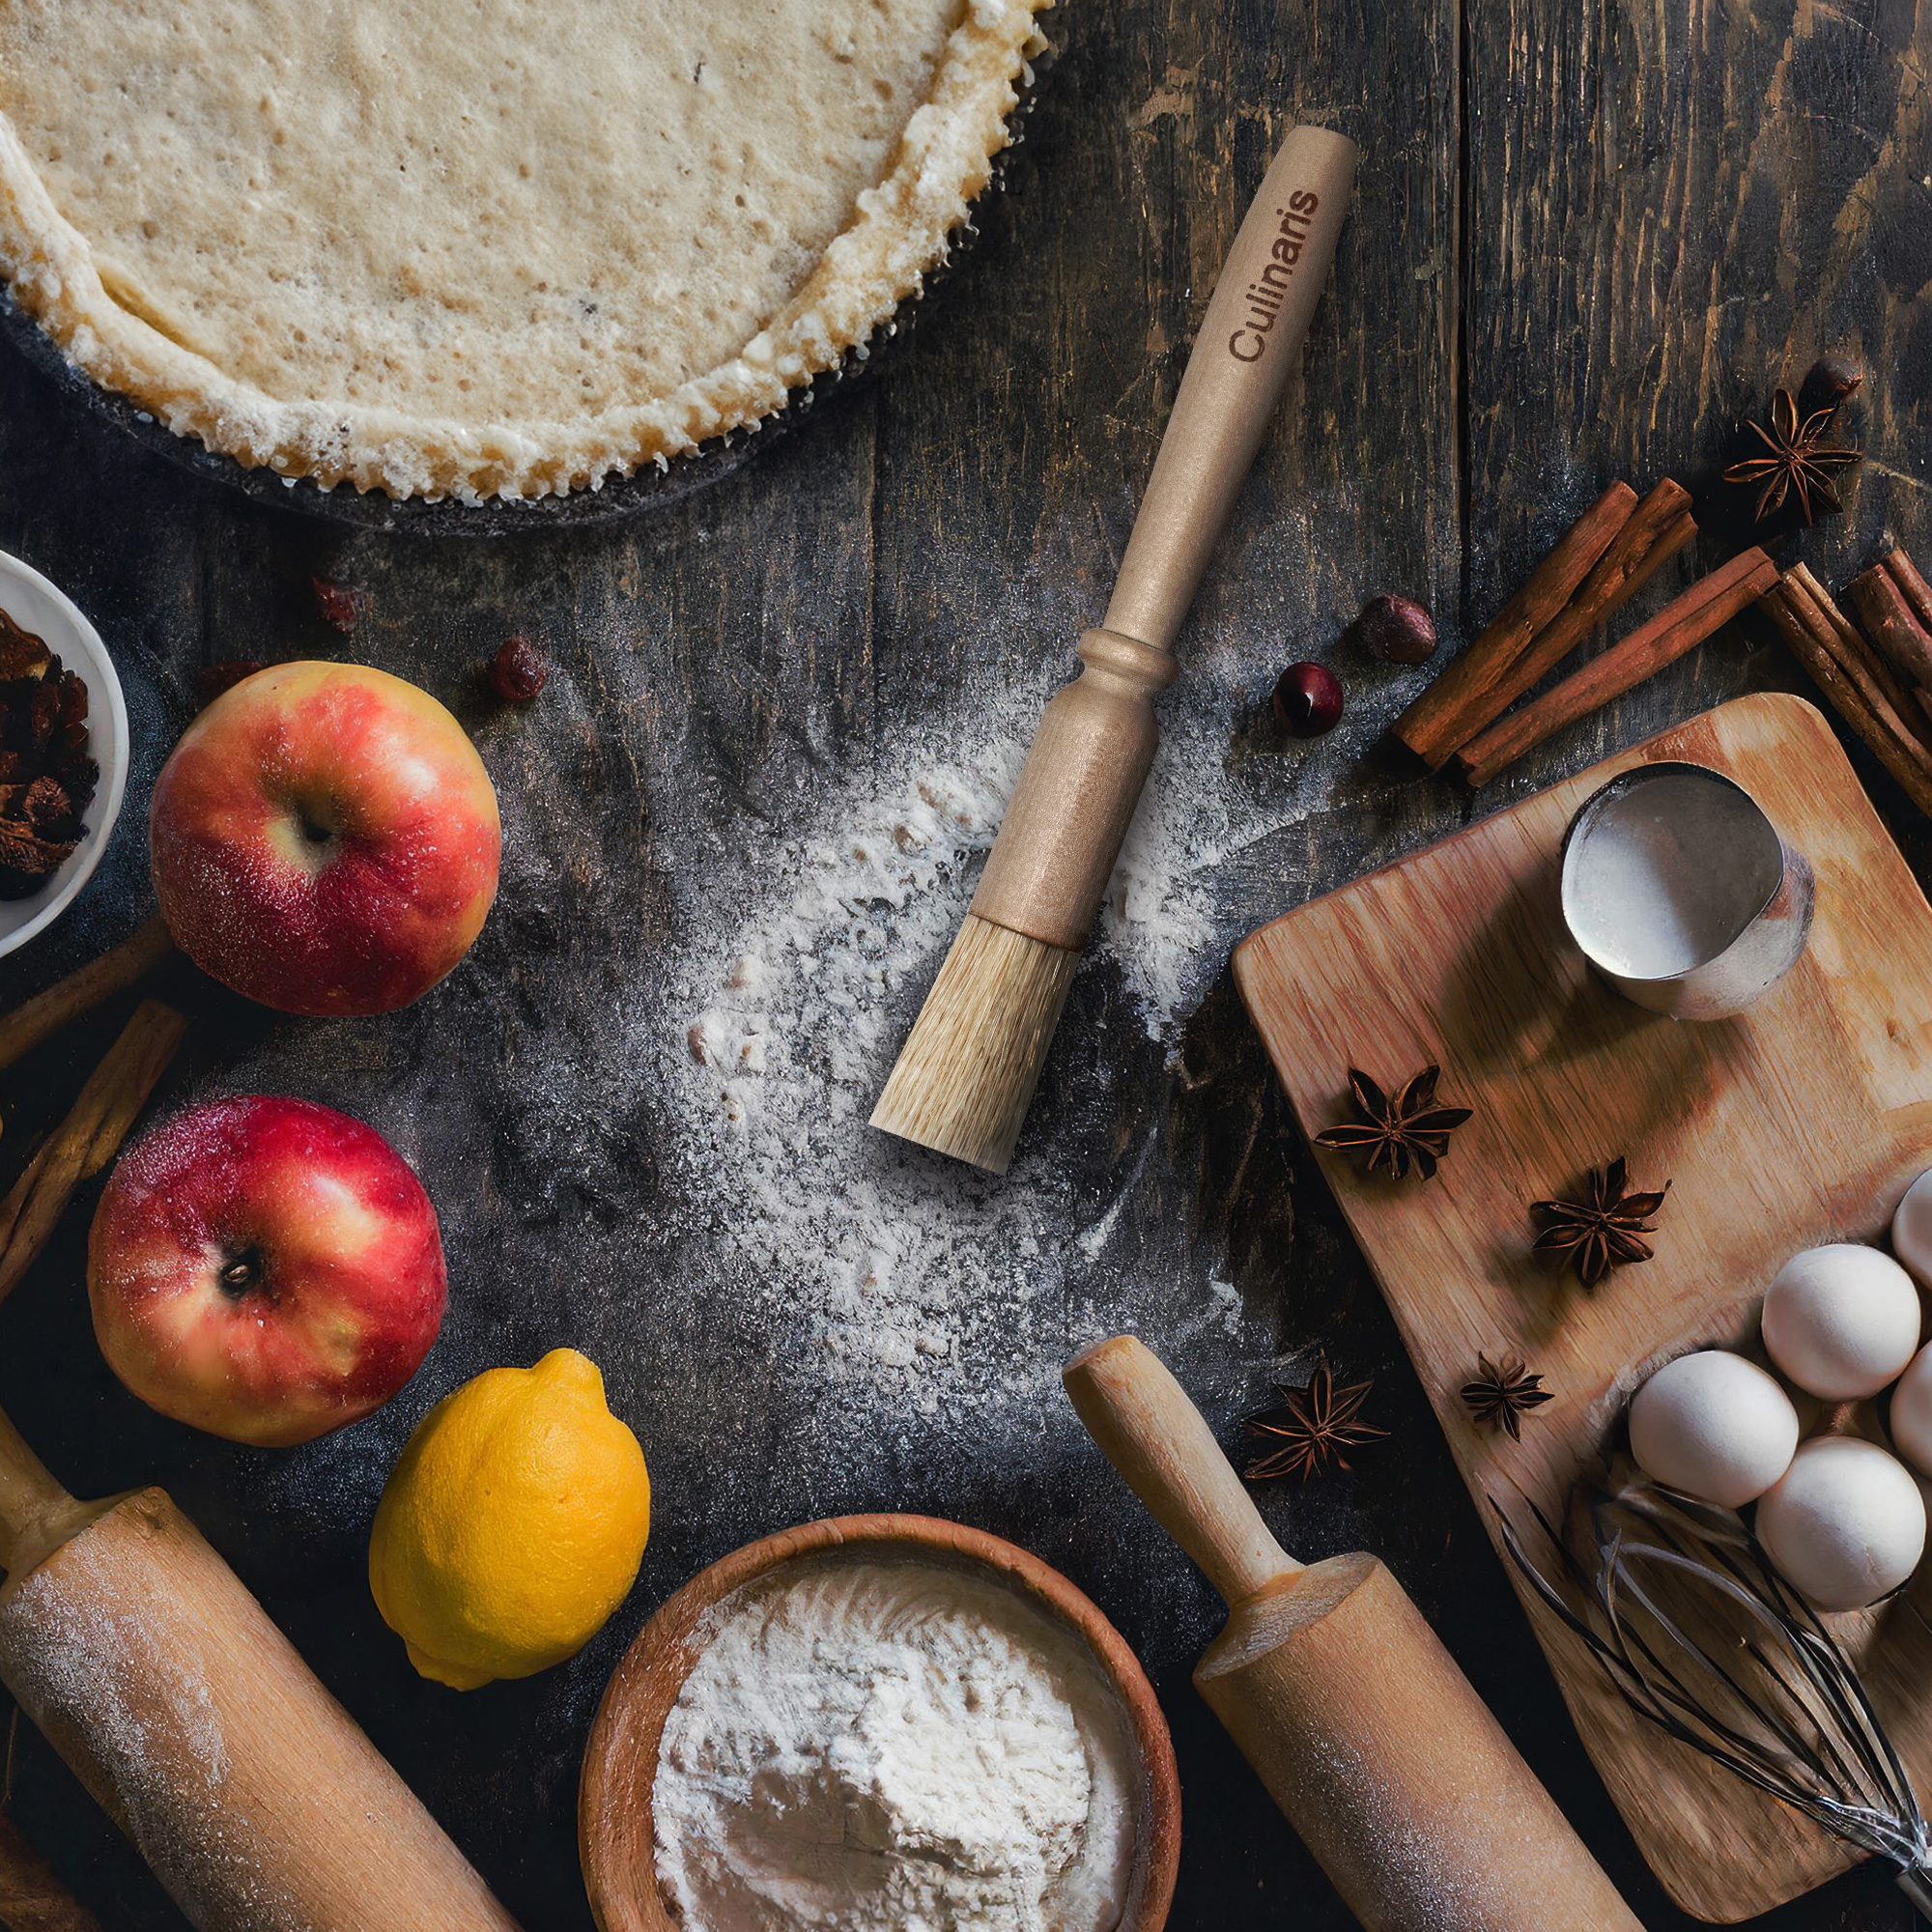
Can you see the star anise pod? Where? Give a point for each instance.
(1796, 457)
(1311, 1427)
(1504, 1393)
(1605, 1229)
(1400, 1131)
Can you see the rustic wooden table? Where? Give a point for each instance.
(1588, 238)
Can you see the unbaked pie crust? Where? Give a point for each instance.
(481, 248)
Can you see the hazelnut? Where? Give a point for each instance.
(1396, 629)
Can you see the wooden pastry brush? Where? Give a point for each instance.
(966, 1076)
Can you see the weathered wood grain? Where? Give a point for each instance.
(1586, 234)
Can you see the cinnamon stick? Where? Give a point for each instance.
(1905, 573)
(46, 1013)
(1658, 527)
(1894, 627)
(1683, 623)
(32, 1899)
(1883, 688)
(1457, 703)
(1856, 698)
(89, 1138)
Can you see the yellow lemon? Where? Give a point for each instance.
(512, 1525)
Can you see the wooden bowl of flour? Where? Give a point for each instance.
(614, 1825)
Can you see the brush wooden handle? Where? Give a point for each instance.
(1247, 344)
(1082, 777)
(1372, 1741)
(1158, 1440)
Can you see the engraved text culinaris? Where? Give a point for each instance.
(1265, 295)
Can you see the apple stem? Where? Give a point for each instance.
(242, 1273)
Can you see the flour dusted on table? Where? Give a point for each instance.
(886, 1285)
(899, 1746)
(895, 1263)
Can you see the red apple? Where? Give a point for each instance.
(325, 840)
(265, 1269)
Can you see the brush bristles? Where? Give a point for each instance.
(965, 1078)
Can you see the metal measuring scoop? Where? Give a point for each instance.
(1679, 890)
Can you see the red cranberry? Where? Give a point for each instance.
(339, 604)
(212, 680)
(518, 670)
(1307, 699)
(1397, 629)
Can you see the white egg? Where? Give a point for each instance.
(1911, 1228)
(1714, 1425)
(1842, 1321)
(1845, 1524)
(1912, 1412)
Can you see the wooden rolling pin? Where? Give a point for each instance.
(246, 1786)
(1370, 1738)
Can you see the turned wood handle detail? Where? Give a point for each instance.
(1048, 870)
(1392, 1769)
(146, 1664)
(1372, 1741)
(1082, 777)
(189, 1716)
(29, 1499)
(1160, 1443)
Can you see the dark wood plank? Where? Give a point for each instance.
(1653, 201)
(1740, 191)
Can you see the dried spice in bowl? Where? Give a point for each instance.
(47, 777)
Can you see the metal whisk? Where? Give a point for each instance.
(1687, 1618)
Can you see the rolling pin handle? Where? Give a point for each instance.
(29, 1496)
(1158, 1439)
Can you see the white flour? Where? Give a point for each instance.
(894, 1747)
(898, 1262)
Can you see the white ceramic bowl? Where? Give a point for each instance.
(35, 605)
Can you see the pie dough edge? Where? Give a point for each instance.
(902, 231)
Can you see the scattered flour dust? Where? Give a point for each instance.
(872, 1746)
(912, 1273)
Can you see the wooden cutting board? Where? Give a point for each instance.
(1800, 1122)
